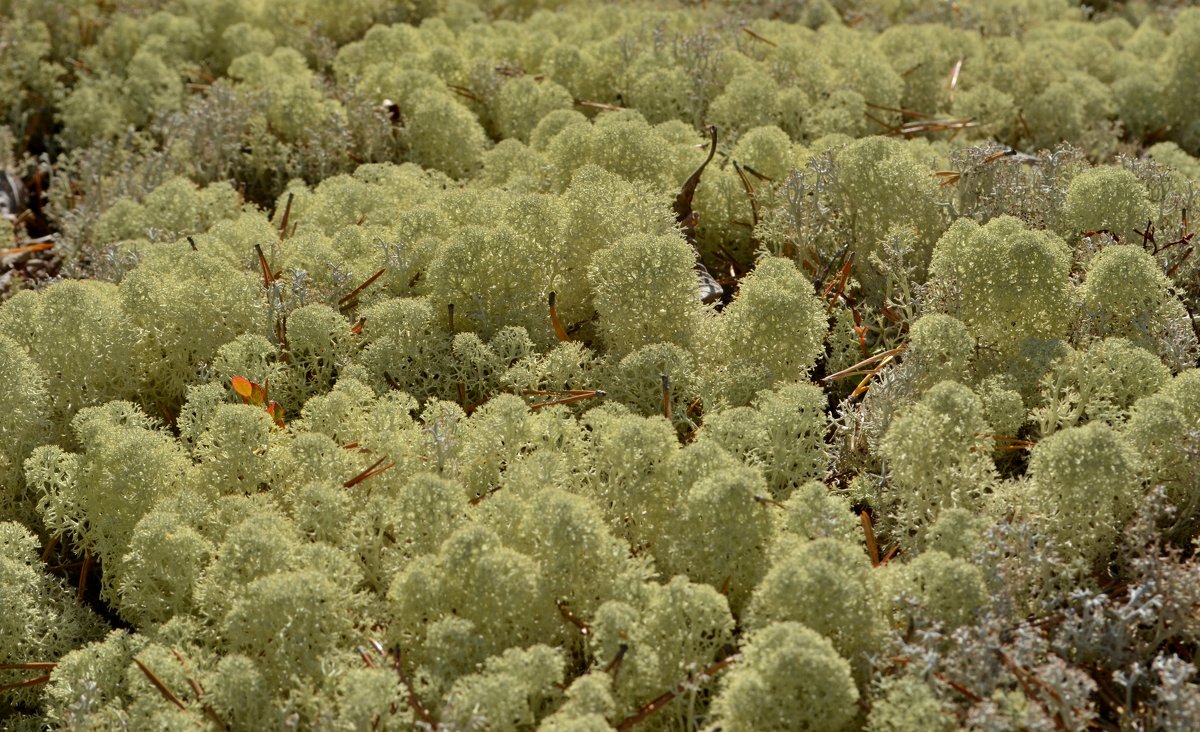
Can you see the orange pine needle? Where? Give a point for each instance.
(342, 302)
(27, 248)
(559, 331)
(370, 472)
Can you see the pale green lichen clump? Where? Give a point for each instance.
(365, 381)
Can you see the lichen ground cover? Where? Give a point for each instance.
(529, 364)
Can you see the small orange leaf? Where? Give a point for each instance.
(276, 413)
(258, 394)
(244, 387)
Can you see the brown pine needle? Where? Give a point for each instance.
(666, 395)
(834, 290)
(668, 696)
(559, 331)
(757, 174)
(898, 110)
(49, 550)
(614, 666)
(158, 684)
(964, 691)
(354, 293)
(35, 681)
(564, 610)
(769, 502)
(952, 80)
(29, 666)
(749, 192)
(28, 248)
(949, 177)
(370, 472)
(268, 278)
(83, 573)
(1007, 442)
(757, 37)
(287, 213)
(598, 105)
(479, 498)
(891, 129)
(570, 399)
(869, 532)
(866, 381)
(462, 91)
(362, 653)
(854, 370)
(927, 126)
(414, 701)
